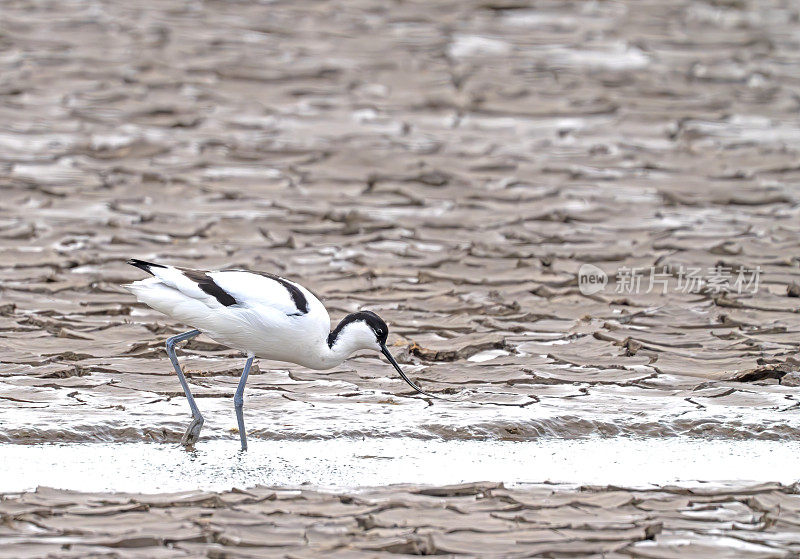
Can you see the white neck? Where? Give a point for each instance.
(353, 337)
(331, 357)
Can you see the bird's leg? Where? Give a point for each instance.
(193, 431)
(238, 400)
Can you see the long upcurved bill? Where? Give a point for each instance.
(388, 355)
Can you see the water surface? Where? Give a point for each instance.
(353, 463)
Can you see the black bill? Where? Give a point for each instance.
(388, 355)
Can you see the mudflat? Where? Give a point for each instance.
(472, 520)
(457, 167)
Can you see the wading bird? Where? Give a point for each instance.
(260, 314)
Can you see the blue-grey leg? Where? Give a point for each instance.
(193, 431)
(238, 401)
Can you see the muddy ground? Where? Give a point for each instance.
(449, 165)
(469, 520)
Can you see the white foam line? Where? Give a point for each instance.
(350, 464)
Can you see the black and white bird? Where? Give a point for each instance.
(260, 314)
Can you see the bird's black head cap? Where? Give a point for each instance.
(376, 323)
(371, 319)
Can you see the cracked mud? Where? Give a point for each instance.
(449, 165)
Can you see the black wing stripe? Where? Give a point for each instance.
(208, 285)
(144, 265)
(300, 301)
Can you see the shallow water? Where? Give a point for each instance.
(351, 463)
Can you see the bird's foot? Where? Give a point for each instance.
(192, 433)
(242, 437)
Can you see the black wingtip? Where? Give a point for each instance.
(144, 265)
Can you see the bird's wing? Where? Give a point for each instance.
(263, 289)
(192, 284)
(231, 287)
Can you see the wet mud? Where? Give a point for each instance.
(450, 166)
(466, 520)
